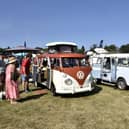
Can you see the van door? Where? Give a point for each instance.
(113, 69)
(49, 76)
(106, 69)
(96, 67)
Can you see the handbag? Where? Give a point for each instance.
(14, 76)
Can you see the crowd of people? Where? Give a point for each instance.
(9, 76)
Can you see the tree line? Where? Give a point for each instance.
(112, 48)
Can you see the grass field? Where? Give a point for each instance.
(104, 108)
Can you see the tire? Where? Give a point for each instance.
(98, 81)
(53, 90)
(121, 84)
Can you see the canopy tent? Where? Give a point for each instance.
(21, 50)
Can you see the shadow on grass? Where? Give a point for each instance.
(34, 94)
(113, 86)
(39, 87)
(95, 91)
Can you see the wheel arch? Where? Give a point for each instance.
(53, 89)
(122, 79)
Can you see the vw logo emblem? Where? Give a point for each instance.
(80, 75)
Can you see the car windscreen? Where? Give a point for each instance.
(72, 62)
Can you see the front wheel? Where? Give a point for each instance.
(121, 84)
(98, 81)
(53, 90)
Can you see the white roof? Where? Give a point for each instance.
(119, 55)
(100, 50)
(89, 53)
(60, 43)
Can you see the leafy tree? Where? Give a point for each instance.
(124, 48)
(41, 49)
(2, 50)
(81, 50)
(111, 48)
(93, 47)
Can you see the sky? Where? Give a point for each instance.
(84, 22)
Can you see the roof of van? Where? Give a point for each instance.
(121, 55)
(61, 55)
(100, 51)
(60, 43)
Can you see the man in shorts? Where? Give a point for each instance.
(25, 71)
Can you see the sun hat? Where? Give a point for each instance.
(12, 60)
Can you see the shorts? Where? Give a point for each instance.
(24, 77)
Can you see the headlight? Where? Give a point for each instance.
(68, 82)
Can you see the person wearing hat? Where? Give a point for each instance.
(11, 86)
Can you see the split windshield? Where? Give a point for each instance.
(72, 62)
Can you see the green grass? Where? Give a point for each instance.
(105, 108)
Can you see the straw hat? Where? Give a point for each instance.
(12, 60)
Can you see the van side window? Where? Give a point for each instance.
(65, 62)
(84, 62)
(56, 62)
(97, 60)
(107, 63)
(122, 62)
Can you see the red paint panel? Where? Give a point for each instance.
(73, 73)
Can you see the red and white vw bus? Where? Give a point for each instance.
(63, 71)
